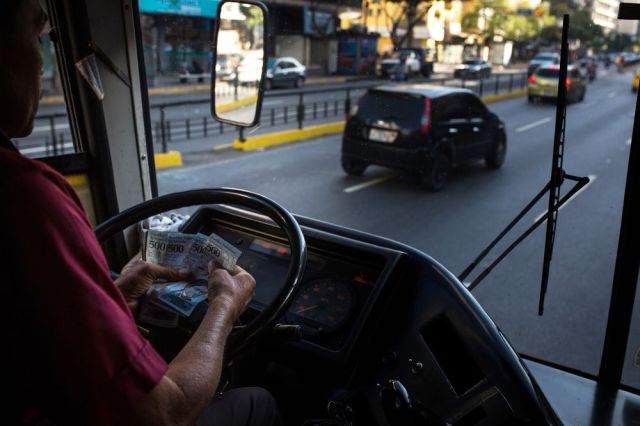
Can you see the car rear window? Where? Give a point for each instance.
(545, 57)
(548, 73)
(402, 108)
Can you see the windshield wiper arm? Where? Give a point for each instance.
(580, 183)
(553, 186)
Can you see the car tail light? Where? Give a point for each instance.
(354, 107)
(532, 79)
(425, 121)
(569, 82)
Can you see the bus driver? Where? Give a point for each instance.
(72, 353)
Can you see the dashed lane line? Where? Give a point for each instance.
(367, 184)
(532, 125)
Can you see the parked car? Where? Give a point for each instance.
(424, 58)
(636, 81)
(543, 84)
(422, 129)
(249, 69)
(473, 68)
(285, 71)
(407, 57)
(542, 58)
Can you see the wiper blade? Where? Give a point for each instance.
(558, 176)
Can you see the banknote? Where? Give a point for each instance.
(153, 312)
(183, 297)
(166, 248)
(178, 250)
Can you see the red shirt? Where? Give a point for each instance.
(71, 352)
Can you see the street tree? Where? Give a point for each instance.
(581, 27)
(492, 18)
(403, 18)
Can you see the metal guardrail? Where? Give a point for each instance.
(301, 110)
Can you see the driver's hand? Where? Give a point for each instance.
(137, 276)
(230, 291)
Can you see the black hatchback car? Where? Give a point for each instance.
(422, 129)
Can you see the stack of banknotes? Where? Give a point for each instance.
(166, 302)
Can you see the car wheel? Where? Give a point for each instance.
(353, 166)
(496, 158)
(298, 83)
(436, 176)
(530, 98)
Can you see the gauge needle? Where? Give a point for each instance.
(301, 310)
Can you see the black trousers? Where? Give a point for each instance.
(242, 407)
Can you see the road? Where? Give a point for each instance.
(454, 225)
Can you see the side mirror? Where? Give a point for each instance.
(241, 31)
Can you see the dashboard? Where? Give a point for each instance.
(385, 330)
(342, 281)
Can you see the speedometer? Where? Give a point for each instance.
(326, 303)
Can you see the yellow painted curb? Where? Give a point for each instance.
(77, 180)
(175, 90)
(80, 184)
(504, 96)
(236, 104)
(286, 136)
(51, 100)
(168, 159)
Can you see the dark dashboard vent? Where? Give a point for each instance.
(452, 355)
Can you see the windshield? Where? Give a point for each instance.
(548, 73)
(478, 200)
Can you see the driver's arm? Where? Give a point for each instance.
(192, 377)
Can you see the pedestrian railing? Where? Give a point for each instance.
(299, 108)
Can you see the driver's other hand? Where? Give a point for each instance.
(137, 276)
(233, 290)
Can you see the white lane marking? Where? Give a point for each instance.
(592, 179)
(586, 104)
(274, 102)
(534, 124)
(611, 95)
(367, 184)
(48, 128)
(628, 142)
(68, 145)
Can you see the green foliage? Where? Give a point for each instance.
(581, 25)
(499, 19)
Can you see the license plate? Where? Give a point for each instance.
(379, 135)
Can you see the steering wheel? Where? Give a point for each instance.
(242, 337)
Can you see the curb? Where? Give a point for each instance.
(237, 104)
(165, 160)
(287, 136)
(502, 97)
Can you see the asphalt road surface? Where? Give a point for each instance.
(454, 225)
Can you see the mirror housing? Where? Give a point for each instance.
(239, 51)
